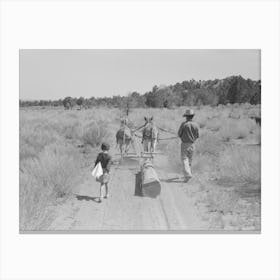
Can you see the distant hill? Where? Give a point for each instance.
(233, 89)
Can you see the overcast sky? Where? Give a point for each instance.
(54, 74)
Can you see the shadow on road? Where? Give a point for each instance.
(129, 162)
(87, 198)
(138, 191)
(173, 180)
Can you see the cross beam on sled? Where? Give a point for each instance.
(153, 153)
(139, 155)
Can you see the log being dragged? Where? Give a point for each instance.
(150, 184)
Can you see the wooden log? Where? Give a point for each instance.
(150, 184)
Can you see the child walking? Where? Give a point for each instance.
(106, 161)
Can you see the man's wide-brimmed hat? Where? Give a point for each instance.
(189, 112)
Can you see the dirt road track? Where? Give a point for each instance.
(126, 209)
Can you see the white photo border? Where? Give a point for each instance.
(139, 24)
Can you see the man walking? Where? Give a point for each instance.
(188, 132)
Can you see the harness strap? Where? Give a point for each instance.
(138, 128)
(165, 130)
(169, 138)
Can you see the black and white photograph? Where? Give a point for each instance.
(140, 140)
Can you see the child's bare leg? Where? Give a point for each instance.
(102, 187)
(107, 190)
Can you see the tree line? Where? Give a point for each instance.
(234, 89)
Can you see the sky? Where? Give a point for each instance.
(55, 74)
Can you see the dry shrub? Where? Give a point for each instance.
(69, 129)
(26, 150)
(204, 166)
(94, 133)
(237, 129)
(202, 120)
(240, 165)
(33, 203)
(43, 181)
(33, 139)
(209, 143)
(73, 131)
(202, 123)
(236, 113)
(219, 200)
(214, 124)
(99, 114)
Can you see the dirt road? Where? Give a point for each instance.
(126, 209)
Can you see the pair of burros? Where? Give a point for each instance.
(125, 136)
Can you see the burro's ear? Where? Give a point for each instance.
(145, 118)
(152, 118)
